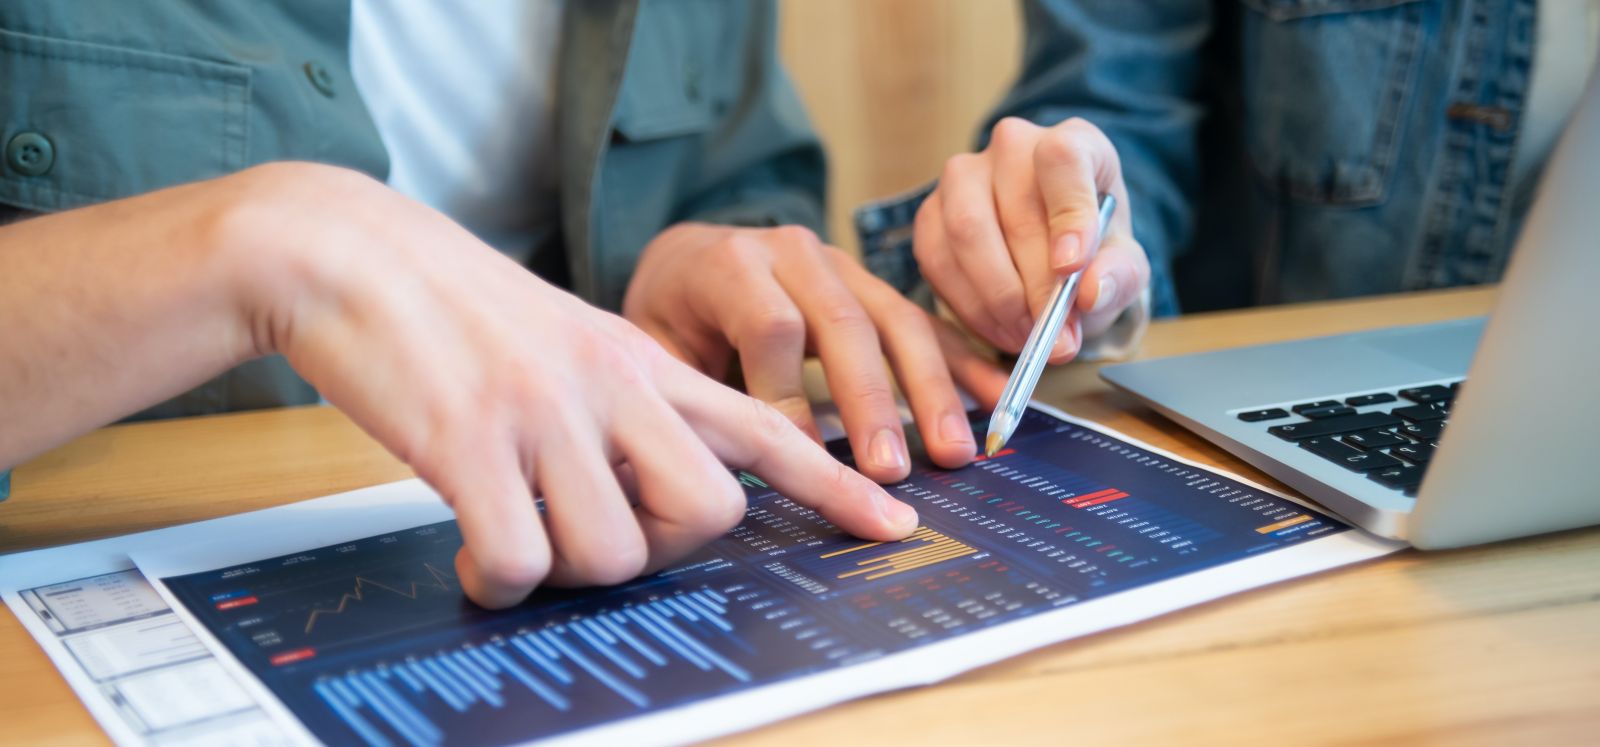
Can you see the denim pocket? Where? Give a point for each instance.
(1326, 87)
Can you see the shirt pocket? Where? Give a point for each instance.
(1326, 86)
(82, 123)
(676, 82)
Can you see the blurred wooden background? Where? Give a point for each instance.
(896, 86)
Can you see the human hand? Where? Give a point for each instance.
(496, 388)
(1005, 224)
(773, 295)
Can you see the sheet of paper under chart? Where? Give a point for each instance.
(348, 624)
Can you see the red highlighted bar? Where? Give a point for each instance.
(997, 455)
(240, 602)
(290, 657)
(1117, 496)
(1077, 501)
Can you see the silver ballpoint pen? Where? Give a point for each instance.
(1034, 355)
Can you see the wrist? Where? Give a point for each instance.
(275, 236)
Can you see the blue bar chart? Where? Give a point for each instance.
(373, 642)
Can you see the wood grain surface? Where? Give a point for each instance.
(1490, 645)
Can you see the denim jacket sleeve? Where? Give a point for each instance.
(1130, 68)
(1133, 70)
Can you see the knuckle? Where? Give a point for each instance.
(768, 428)
(840, 481)
(1010, 131)
(964, 224)
(795, 235)
(726, 509)
(872, 387)
(794, 406)
(1084, 131)
(607, 563)
(1022, 226)
(908, 318)
(741, 253)
(959, 166)
(1060, 145)
(524, 569)
(842, 313)
(612, 348)
(775, 326)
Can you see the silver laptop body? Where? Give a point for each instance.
(1513, 457)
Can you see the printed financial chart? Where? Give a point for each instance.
(372, 641)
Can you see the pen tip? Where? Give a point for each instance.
(992, 444)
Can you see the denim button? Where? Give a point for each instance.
(30, 154)
(320, 78)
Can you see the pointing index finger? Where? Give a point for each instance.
(751, 435)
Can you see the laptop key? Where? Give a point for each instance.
(1427, 430)
(1373, 439)
(1370, 460)
(1271, 413)
(1362, 400)
(1400, 478)
(1346, 456)
(1425, 394)
(1414, 453)
(1418, 413)
(1329, 447)
(1301, 408)
(1333, 426)
(1318, 413)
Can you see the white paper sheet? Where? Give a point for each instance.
(137, 667)
(332, 520)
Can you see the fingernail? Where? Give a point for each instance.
(1106, 293)
(895, 513)
(1068, 248)
(1060, 348)
(887, 451)
(954, 428)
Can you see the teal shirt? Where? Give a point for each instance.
(666, 112)
(5, 485)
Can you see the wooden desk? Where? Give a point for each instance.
(1488, 645)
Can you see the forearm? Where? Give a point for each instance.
(108, 309)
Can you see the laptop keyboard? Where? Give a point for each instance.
(1388, 436)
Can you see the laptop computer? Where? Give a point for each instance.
(1444, 434)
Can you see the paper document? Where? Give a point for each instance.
(352, 630)
(136, 666)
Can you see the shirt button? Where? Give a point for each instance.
(30, 154)
(691, 82)
(320, 78)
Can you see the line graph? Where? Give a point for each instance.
(357, 593)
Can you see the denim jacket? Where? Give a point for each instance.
(1286, 150)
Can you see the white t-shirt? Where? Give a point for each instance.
(463, 94)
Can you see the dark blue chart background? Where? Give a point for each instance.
(372, 641)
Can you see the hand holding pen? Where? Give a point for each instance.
(1030, 364)
(1007, 223)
